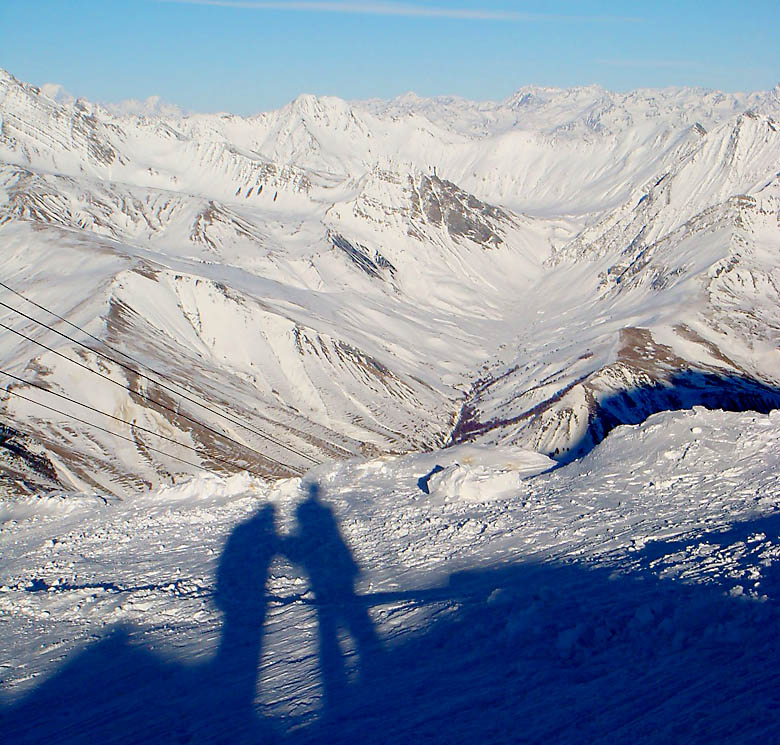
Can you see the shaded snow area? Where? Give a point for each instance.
(468, 595)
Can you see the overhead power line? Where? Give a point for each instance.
(186, 397)
(139, 427)
(140, 395)
(65, 320)
(103, 429)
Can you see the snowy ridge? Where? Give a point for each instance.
(344, 274)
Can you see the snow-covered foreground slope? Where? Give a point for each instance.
(629, 597)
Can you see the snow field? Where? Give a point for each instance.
(657, 553)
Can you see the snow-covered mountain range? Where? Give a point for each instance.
(357, 278)
(481, 338)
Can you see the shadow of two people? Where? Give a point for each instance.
(523, 652)
(116, 691)
(319, 548)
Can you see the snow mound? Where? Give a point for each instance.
(478, 474)
(37, 506)
(208, 488)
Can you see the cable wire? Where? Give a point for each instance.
(133, 425)
(65, 320)
(227, 417)
(144, 396)
(103, 429)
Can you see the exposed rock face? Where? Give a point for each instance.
(461, 214)
(25, 467)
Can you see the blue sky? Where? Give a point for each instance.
(210, 55)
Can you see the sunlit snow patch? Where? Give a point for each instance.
(209, 488)
(48, 505)
(476, 474)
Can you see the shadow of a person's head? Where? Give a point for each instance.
(243, 565)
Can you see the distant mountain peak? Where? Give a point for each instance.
(57, 93)
(347, 269)
(150, 107)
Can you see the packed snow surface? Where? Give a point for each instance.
(631, 596)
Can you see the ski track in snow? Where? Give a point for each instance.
(679, 513)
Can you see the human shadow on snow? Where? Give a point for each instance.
(523, 652)
(332, 571)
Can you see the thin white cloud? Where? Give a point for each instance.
(652, 64)
(407, 10)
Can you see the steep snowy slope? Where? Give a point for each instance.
(336, 277)
(319, 341)
(677, 304)
(328, 372)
